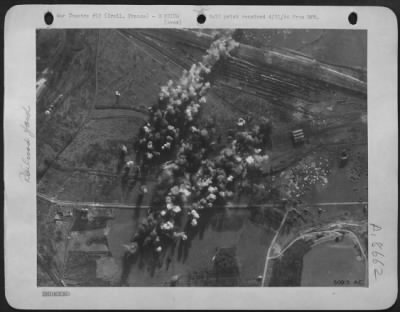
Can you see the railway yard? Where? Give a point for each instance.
(299, 199)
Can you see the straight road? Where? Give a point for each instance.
(77, 204)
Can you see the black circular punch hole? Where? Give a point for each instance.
(201, 18)
(353, 18)
(48, 18)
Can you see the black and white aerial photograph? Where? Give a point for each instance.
(201, 157)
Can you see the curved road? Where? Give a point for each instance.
(304, 235)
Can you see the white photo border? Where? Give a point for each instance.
(22, 292)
